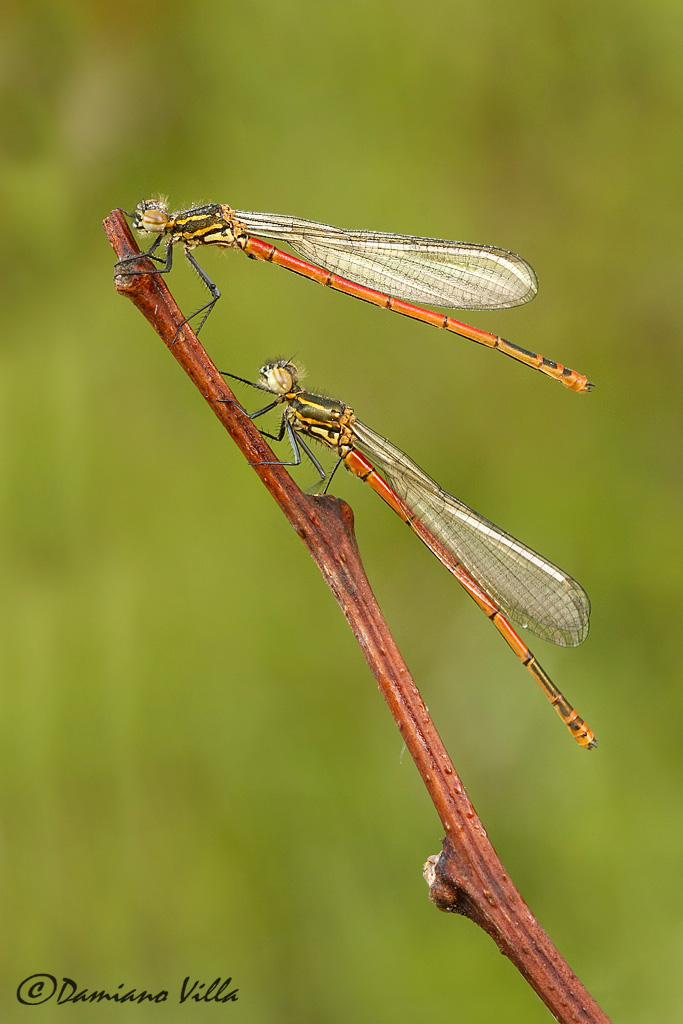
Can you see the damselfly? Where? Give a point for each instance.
(504, 577)
(381, 268)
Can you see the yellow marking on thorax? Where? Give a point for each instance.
(202, 228)
(330, 426)
(346, 422)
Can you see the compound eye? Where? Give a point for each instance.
(153, 221)
(276, 377)
(281, 379)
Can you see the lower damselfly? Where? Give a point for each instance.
(507, 579)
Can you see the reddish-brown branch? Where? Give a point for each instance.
(467, 878)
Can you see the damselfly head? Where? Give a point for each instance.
(151, 216)
(279, 377)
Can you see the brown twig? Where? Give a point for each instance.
(467, 878)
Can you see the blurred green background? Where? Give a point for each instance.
(198, 774)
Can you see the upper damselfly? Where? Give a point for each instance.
(379, 267)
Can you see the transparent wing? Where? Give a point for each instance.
(527, 587)
(432, 270)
